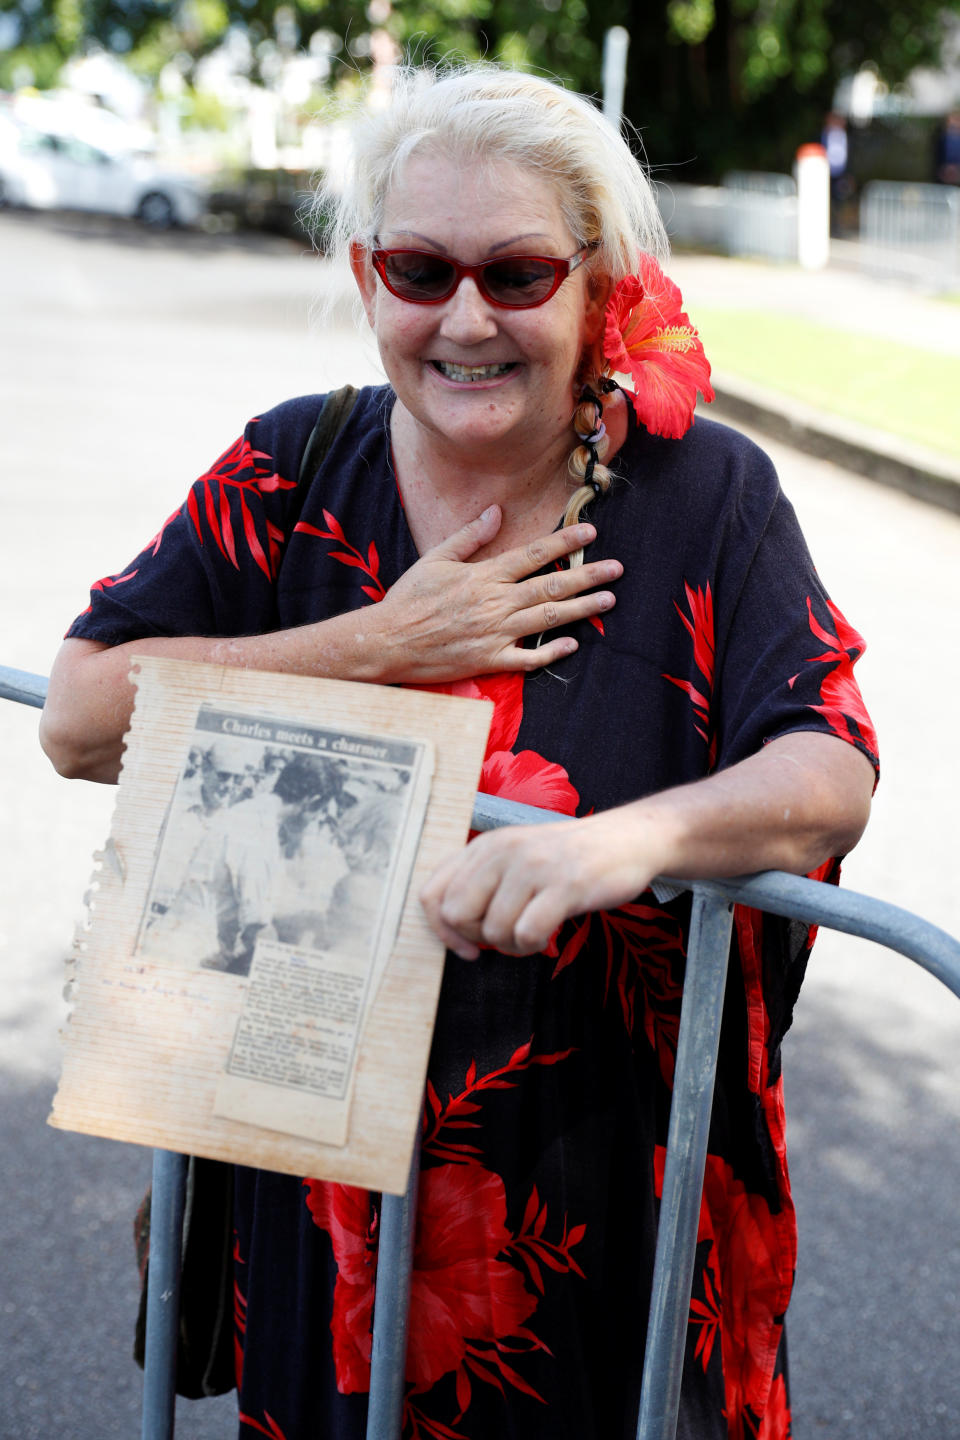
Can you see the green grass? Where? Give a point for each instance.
(892, 387)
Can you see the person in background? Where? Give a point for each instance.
(947, 150)
(835, 141)
(504, 519)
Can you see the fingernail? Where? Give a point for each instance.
(605, 600)
(585, 533)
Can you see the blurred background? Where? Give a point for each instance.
(157, 289)
(164, 107)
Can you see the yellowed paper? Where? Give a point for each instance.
(258, 982)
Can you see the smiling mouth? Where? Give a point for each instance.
(470, 374)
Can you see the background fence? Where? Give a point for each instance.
(912, 232)
(907, 232)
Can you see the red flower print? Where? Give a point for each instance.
(417, 1426)
(530, 780)
(460, 1291)
(244, 471)
(454, 1114)
(776, 1424)
(648, 337)
(842, 701)
(754, 1275)
(239, 1317)
(524, 776)
(369, 564)
(643, 944)
(345, 1213)
(705, 1315)
(271, 1428)
(751, 1264)
(107, 583)
(504, 689)
(461, 1294)
(699, 625)
(533, 1249)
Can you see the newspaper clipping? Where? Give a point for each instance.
(285, 859)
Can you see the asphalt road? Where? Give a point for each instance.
(128, 365)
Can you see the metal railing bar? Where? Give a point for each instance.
(786, 895)
(22, 686)
(691, 1106)
(167, 1201)
(797, 898)
(391, 1308)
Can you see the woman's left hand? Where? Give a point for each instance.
(800, 800)
(509, 890)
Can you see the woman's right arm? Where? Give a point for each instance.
(443, 620)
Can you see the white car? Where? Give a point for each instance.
(47, 170)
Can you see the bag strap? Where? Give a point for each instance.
(334, 414)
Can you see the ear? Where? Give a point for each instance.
(365, 277)
(599, 290)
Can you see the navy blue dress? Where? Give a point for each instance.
(549, 1079)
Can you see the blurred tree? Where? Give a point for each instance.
(711, 84)
(718, 84)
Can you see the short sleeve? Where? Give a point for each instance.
(212, 566)
(787, 655)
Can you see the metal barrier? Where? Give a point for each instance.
(761, 214)
(693, 214)
(791, 896)
(752, 213)
(911, 231)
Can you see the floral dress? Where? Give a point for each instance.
(549, 1080)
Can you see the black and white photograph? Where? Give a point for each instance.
(277, 831)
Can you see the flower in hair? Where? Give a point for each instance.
(648, 337)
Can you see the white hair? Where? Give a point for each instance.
(481, 113)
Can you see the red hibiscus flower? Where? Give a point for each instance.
(648, 337)
(525, 776)
(344, 1212)
(459, 1292)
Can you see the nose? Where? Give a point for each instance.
(467, 316)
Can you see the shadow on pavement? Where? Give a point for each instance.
(70, 1287)
(872, 1126)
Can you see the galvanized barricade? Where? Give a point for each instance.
(911, 232)
(761, 214)
(693, 214)
(791, 896)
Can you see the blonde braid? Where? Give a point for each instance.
(586, 419)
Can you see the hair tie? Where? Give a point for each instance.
(595, 435)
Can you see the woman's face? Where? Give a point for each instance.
(522, 362)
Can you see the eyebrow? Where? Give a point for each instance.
(501, 245)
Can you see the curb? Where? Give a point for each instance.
(886, 459)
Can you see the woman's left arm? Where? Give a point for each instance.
(800, 800)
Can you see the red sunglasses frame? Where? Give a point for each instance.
(561, 269)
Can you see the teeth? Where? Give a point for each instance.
(471, 372)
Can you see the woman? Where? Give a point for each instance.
(686, 691)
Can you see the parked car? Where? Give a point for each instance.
(257, 199)
(46, 170)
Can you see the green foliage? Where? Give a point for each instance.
(711, 84)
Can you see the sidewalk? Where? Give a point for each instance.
(838, 296)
